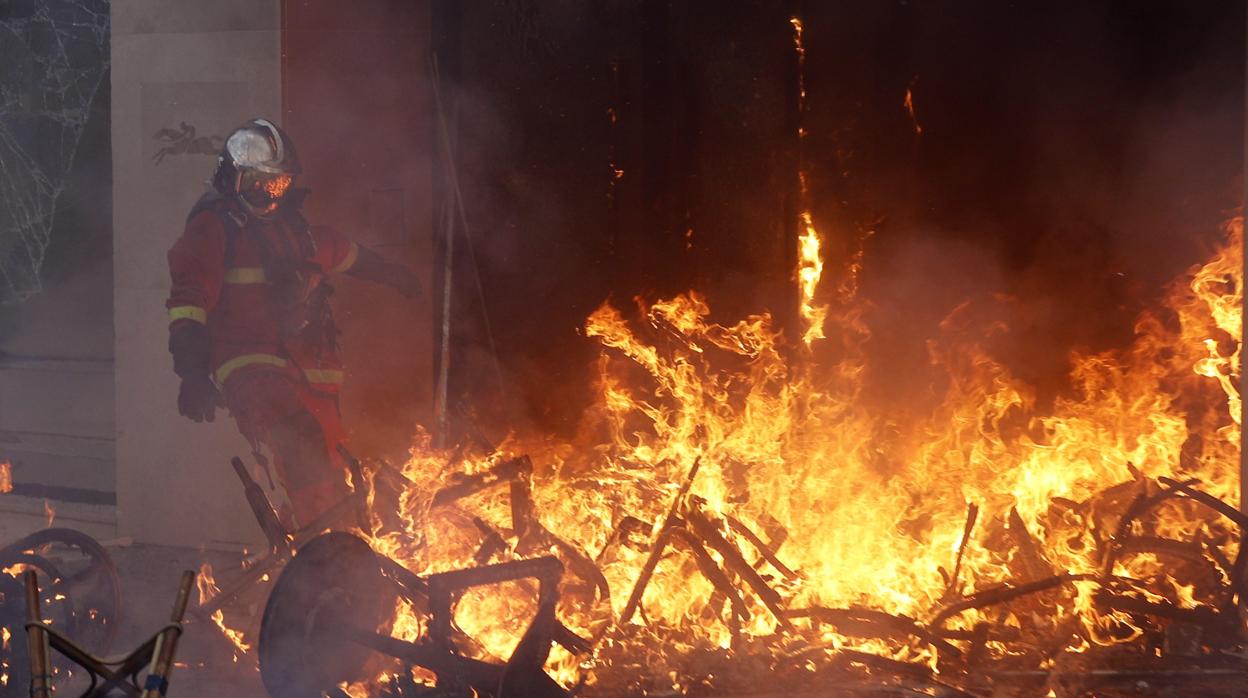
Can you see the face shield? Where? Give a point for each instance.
(263, 191)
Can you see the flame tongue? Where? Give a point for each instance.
(809, 271)
(206, 585)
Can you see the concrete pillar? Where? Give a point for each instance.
(184, 73)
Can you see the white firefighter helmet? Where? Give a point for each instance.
(257, 166)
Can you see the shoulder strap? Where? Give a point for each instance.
(231, 220)
(292, 214)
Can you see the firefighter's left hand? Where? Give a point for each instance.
(198, 399)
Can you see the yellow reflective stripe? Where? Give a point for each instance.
(349, 261)
(188, 312)
(238, 362)
(324, 376)
(245, 275)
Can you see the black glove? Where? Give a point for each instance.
(369, 266)
(198, 399)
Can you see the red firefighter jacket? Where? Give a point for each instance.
(223, 270)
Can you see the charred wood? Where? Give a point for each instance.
(763, 548)
(951, 584)
(708, 532)
(1188, 489)
(1034, 563)
(870, 623)
(660, 542)
(708, 568)
(1006, 592)
(506, 471)
(1142, 503)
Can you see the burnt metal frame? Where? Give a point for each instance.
(421, 591)
(521, 676)
(283, 543)
(28, 551)
(438, 654)
(116, 673)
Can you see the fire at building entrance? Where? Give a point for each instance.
(612, 349)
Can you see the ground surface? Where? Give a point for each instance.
(206, 666)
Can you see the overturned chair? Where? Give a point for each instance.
(350, 511)
(108, 675)
(326, 614)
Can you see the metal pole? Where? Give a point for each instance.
(444, 350)
(37, 641)
(458, 199)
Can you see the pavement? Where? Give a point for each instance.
(208, 663)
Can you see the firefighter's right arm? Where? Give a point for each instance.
(340, 255)
(197, 271)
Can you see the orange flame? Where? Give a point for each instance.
(6, 477)
(873, 505)
(809, 271)
(809, 257)
(234, 636)
(870, 507)
(206, 585)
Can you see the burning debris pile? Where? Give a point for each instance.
(735, 513)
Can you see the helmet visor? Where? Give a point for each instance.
(264, 191)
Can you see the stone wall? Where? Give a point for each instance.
(184, 73)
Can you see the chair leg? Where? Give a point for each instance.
(37, 640)
(162, 661)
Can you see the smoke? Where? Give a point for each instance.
(1072, 160)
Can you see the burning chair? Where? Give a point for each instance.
(322, 621)
(282, 544)
(323, 618)
(328, 621)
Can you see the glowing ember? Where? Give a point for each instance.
(6, 477)
(800, 49)
(908, 103)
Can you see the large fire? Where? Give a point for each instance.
(840, 509)
(867, 510)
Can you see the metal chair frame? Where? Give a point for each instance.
(108, 674)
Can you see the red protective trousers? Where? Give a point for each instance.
(300, 427)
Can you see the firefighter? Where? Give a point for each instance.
(251, 327)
